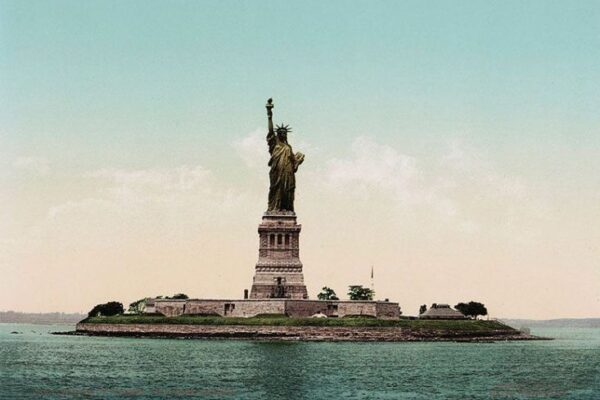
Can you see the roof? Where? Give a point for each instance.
(442, 311)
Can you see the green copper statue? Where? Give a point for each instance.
(284, 164)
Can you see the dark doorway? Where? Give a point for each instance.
(279, 291)
(229, 307)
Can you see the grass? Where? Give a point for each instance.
(445, 325)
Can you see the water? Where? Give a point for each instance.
(35, 364)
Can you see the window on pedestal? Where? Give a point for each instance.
(279, 239)
(272, 240)
(287, 240)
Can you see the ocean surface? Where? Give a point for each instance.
(37, 365)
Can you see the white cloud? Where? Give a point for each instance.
(38, 165)
(178, 200)
(460, 186)
(374, 166)
(174, 180)
(253, 149)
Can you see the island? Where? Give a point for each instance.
(277, 307)
(305, 329)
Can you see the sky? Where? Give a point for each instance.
(453, 146)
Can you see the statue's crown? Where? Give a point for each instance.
(283, 128)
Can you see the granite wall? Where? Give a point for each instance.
(308, 333)
(292, 308)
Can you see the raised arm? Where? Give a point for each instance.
(271, 137)
(270, 116)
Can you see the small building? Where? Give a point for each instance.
(150, 306)
(442, 311)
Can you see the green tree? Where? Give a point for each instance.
(106, 309)
(138, 307)
(472, 309)
(422, 309)
(358, 292)
(327, 294)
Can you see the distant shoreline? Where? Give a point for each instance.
(14, 317)
(553, 323)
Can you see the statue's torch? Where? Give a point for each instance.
(270, 107)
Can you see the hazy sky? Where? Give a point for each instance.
(453, 145)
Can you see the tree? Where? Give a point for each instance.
(138, 307)
(327, 294)
(106, 309)
(463, 308)
(178, 296)
(357, 292)
(471, 309)
(422, 309)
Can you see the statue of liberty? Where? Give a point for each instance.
(284, 164)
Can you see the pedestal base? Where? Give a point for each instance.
(278, 272)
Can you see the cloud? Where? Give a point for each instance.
(373, 164)
(376, 167)
(154, 228)
(252, 148)
(178, 180)
(175, 201)
(461, 185)
(37, 165)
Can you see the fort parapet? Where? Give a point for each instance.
(292, 308)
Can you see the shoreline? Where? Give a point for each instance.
(294, 333)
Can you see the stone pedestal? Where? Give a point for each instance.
(278, 271)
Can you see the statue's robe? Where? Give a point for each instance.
(283, 181)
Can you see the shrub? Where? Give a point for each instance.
(327, 294)
(107, 309)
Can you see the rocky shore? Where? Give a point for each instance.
(296, 333)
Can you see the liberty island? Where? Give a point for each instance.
(277, 305)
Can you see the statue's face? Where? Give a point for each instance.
(282, 135)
